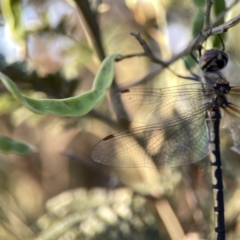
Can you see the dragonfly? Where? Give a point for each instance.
(180, 126)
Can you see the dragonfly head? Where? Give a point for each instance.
(213, 60)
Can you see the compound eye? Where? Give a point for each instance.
(225, 60)
(213, 60)
(221, 63)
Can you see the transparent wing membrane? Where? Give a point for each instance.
(234, 96)
(175, 133)
(152, 106)
(231, 119)
(155, 146)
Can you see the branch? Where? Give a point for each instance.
(193, 45)
(222, 14)
(154, 71)
(207, 15)
(225, 26)
(91, 20)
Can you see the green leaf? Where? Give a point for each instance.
(189, 62)
(199, 3)
(8, 145)
(198, 22)
(73, 106)
(218, 7)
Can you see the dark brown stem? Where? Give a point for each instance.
(207, 15)
(120, 58)
(222, 14)
(147, 49)
(193, 45)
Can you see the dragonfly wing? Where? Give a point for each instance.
(155, 146)
(157, 106)
(231, 119)
(234, 96)
(235, 132)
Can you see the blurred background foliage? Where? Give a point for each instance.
(53, 49)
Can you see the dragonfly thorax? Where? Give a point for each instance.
(222, 88)
(211, 62)
(220, 98)
(214, 78)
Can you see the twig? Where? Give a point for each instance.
(207, 14)
(191, 198)
(225, 26)
(222, 14)
(121, 57)
(147, 49)
(91, 20)
(169, 219)
(193, 45)
(102, 117)
(154, 71)
(149, 53)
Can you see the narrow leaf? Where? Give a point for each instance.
(8, 145)
(218, 7)
(73, 106)
(198, 22)
(199, 3)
